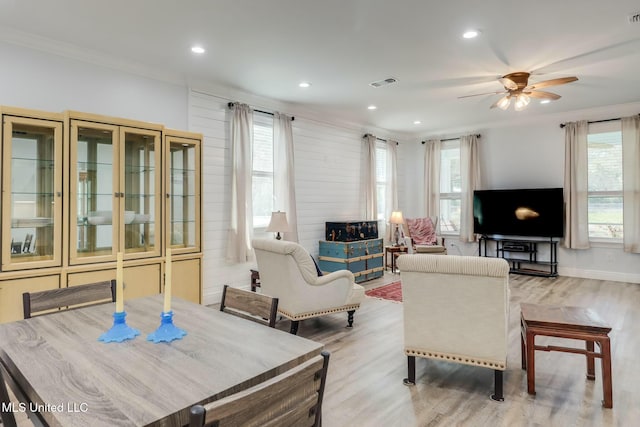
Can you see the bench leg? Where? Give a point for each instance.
(350, 318)
(591, 366)
(294, 327)
(607, 389)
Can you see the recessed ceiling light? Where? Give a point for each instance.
(372, 107)
(197, 49)
(545, 101)
(304, 84)
(416, 122)
(471, 34)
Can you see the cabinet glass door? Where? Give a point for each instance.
(32, 193)
(94, 202)
(183, 194)
(140, 183)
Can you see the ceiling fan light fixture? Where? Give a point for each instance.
(521, 102)
(545, 101)
(471, 34)
(504, 103)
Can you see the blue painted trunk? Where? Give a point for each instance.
(363, 258)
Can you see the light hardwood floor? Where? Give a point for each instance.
(367, 365)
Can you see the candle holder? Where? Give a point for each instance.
(120, 331)
(167, 331)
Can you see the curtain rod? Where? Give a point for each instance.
(597, 121)
(453, 139)
(232, 104)
(379, 139)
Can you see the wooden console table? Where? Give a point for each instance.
(576, 323)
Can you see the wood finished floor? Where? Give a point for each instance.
(367, 365)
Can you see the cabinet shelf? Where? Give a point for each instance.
(522, 255)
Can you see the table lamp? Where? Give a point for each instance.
(278, 224)
(396, 218)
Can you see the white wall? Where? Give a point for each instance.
(42, 81)
(327, 177)
(528, 154)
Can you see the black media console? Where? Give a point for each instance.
(522, 254)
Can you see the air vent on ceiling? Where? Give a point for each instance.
(634, 18)
(383, 82)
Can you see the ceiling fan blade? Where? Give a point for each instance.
(542, 95)
(480, 94)
(553, 82)
(508, 83)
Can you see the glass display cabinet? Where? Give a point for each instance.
(31, 193)
(183, 193)
(115, 185)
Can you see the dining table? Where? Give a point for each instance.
(70, 378)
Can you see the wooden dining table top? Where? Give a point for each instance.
(58, 362)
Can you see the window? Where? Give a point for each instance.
(604, 177)
(262, 174)
(450, 187)
(381, 178)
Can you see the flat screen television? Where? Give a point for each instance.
(530, 212)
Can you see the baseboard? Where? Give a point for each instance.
(599, 275)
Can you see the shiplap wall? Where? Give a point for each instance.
(328, 184)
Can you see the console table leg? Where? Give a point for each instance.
(531, 370)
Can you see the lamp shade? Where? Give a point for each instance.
(278, 223)
(396, 217)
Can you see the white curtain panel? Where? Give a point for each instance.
(631, 183)
(470, 177)
(576, 233)
(241, 226)
(284, 173)
(391, 190)
(369, 178)
(432, 180)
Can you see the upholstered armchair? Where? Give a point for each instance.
(456, 309)
(422, 235)
(288, 272)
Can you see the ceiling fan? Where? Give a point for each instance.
(517, 87)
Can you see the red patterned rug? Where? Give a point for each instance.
(391, 292)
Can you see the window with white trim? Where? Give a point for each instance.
(262, 173)
(450, 187)
(604, 177)
(381, 178)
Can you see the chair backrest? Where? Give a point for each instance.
(465, 302)
(249, 305)
(293, 398)
(36, 302)
(6, 413)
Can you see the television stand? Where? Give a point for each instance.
(522, 254)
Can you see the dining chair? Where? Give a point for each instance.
(249, 305)
(6, 414)
(291, 398)
(37, 302)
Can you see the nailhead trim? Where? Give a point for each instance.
(311, 314)
(454, 358)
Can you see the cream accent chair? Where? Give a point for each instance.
(288, 273)
(456, 309)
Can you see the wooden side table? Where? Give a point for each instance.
(255, 280)
(575, 323)
(393, 250)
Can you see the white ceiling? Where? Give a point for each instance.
(266, 47)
